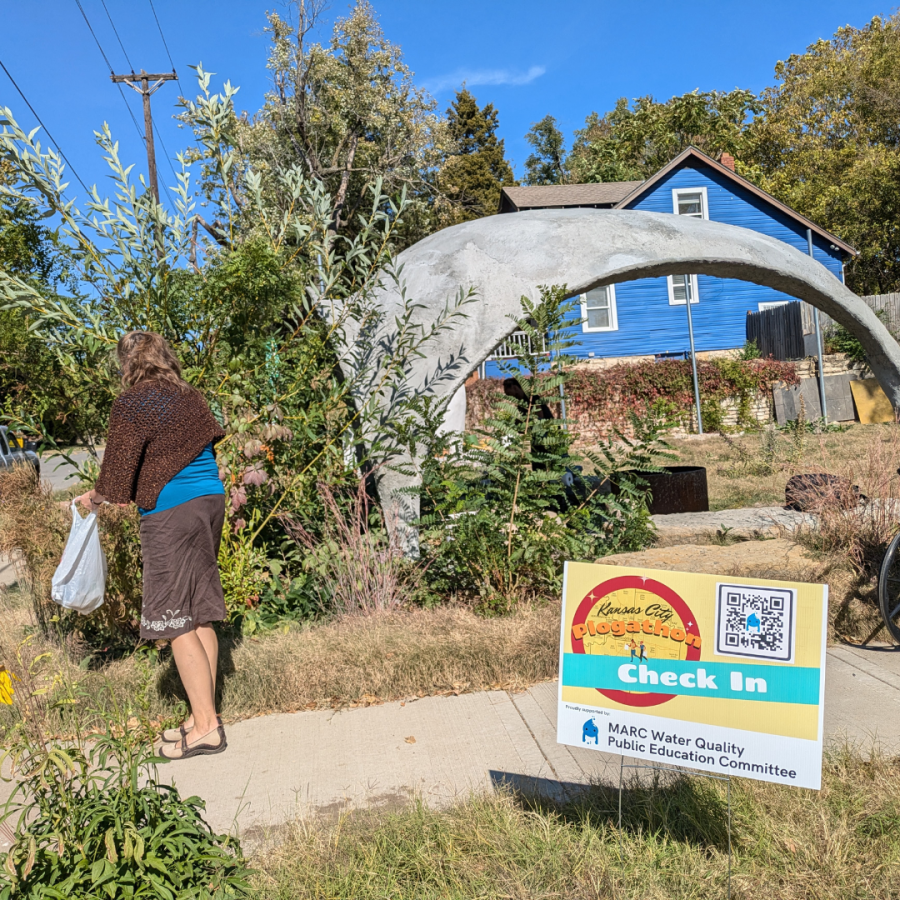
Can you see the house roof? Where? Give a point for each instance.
(557, 196)
(692, 152)
(620, 194)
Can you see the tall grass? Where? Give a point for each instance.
(392, 656)
(361, 568)
(33, 532)
(859, 532)
(840, 843)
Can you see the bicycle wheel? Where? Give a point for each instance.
(889, 589)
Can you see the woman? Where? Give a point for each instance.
(159, 454)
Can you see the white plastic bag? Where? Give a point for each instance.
(79, 581)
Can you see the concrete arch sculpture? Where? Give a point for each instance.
(503, 257)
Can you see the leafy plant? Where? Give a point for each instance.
(839, 340)
(663, 389)
(91, 818)
(505, 508)
(269, 309)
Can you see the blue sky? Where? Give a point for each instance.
(529, 58)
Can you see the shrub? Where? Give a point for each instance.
(502, 514)
(91, 817)
(270, 310)
(838, 340)
(33, 532)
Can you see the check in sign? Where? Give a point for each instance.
(708, 672)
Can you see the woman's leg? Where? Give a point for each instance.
(199, 681)
(210, 641)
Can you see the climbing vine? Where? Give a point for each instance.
(608, 397)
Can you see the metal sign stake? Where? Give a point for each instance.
(680, 771)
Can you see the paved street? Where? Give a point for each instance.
(58, 473)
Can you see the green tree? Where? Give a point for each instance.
(827, 143)
(31, 382)
(547, 164)
(633, 141)
(476, 169)
(347, 113)
(273, 320)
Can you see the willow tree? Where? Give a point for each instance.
(344, 113)
(268, 308)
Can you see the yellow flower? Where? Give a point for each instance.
(6, 688)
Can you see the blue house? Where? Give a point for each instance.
(647, 318)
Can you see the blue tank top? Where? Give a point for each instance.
(199, 478)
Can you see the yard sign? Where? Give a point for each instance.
(704, 671)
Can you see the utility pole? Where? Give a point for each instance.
(146, 90)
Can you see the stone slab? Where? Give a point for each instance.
(838, 400)
(679, 528)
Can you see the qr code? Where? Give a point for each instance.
(755, 621)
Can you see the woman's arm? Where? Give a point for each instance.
(125, 442)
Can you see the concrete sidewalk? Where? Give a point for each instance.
(442, 748)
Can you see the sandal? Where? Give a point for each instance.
(204, 749)
(175, 735)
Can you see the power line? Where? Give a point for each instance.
(165, 44)
(116, 33)
(40, 122)
(94, 36)
(109, 66)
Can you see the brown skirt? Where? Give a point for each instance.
(180, 547)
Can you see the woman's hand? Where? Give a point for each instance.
(91, 500)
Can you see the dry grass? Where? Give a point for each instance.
(752, 469)
(847, 546)
(354, 661)
(840, 843)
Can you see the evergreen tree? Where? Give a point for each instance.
(476, 170)
(547, 165)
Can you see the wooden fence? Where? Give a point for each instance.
(777, 331)
(888, 305)
(786, 331)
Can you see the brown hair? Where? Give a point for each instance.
(145, 356)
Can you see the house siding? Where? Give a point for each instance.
(648, 325)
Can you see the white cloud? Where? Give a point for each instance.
(473, 77)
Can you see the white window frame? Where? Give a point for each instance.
(704, 214)
(677, 192)
(770, 304)
(695, 297)
(613, 313)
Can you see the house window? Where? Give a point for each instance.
(689, 202)
(681, 287)
(598, 309)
